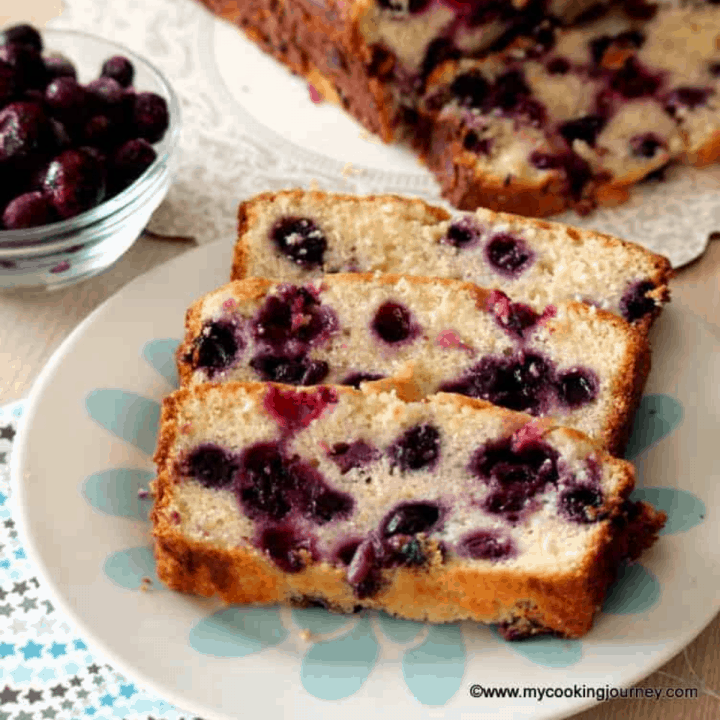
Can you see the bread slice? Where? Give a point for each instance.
(582, 366)
(441, 510)
(296, 235)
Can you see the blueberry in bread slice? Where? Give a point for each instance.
(582, 366)
(604, 106)
(297, 235)
(440, 510)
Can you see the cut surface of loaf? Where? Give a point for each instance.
(527, 107)
(298, 235)
(440, 510)
(582, 366)
(608, 104)
(371, 57)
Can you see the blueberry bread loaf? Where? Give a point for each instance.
(440, 510)
(371, 57)
(298, 235)
(529, 107)
(606, 105)
(580, 365)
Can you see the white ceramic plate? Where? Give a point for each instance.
(76, 488)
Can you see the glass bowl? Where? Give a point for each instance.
(62, 253)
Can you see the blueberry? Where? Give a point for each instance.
(645, 145)
(364, 570)
(686, 97)
(476, 144)
(28, 210)
(417, 448)
(75, 182)
(523, 382)
(300, 240)
(410, 6)
(98, 132)
(393, 323)
(508, 255)
(410, 518)
(299, 370)
(120, 69)
(633, 81)
(533, 466)
(284, 548)
(470, 89)
(508, 90)
(22, 34)
(57, 66)
(211, 466)
(107, 97)
(532, 111)
(294, 410)
(486, 545)
(509, 501)
(217, 347)
(61, 139)
(292, 320)
(264, 482)
(324, 505)
(634, 304)
(577, 504)
(348, 456)
(24, 131)
(67, 100)
(558, 66)
(150, 116)
(129, 161)
(584, 128)
(28, 65)
(7, 83)
(578, 174)
(463, 233)
(515, 318)
(354, 379)
(577, 171)
(578, 387)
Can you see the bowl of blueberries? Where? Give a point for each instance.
(88, 138)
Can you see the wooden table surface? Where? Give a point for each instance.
(33, 325)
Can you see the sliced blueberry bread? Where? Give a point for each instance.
(604, 106)
(582, 366)
(440, 510)
(297, 235)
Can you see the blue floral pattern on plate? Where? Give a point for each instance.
(344, 650)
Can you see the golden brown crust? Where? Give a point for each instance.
(563, 602)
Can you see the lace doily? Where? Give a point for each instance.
(226, 154)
